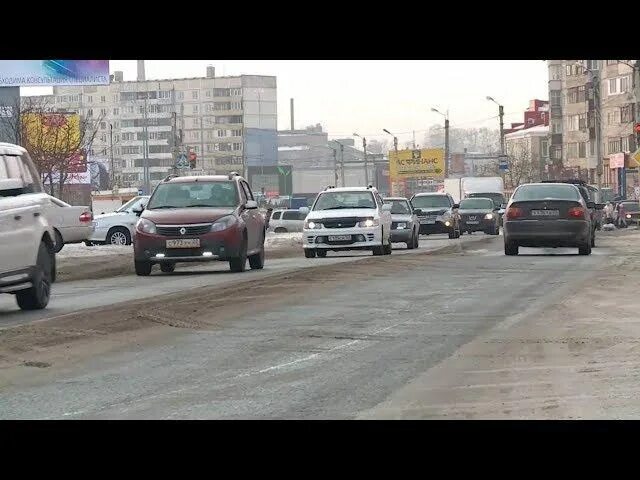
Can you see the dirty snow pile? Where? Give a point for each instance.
(283, 240)
(77, 250)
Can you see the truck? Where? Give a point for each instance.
(466, 187)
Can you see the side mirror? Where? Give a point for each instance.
(591, 205)
(386, 207)
(138, 211)
(496, 209)
(304, 210)
(251, 205)
(456, 205)
(503, 206)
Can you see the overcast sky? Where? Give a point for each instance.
(348, 96)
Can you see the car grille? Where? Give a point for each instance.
(189, 230)
(470, 217)
(183, 252)
(339, 222)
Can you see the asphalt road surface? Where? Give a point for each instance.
(77, 295)
(348, 350)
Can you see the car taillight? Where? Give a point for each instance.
(514, 212)
(86, 217)
(576, 212)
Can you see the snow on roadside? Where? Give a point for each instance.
(77, 250)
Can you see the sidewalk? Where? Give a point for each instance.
(578, 358)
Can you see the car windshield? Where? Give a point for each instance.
(498, 198)
(546, 192)
(476, 203)
(221, 194)
(338, 200)
(399, 207)
(631, 206)
(431, 201)
(134, 202)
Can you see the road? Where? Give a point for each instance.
(453, 335)
(68, 297)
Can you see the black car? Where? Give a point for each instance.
(479, 215)
(589, 197)
(437, 213)
(548, 215)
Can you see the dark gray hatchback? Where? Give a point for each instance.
(548, 215)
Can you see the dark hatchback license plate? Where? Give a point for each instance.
(545, 213)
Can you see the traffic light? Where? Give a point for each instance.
(192, 160)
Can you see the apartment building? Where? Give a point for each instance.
(230, 122)
(585, 95)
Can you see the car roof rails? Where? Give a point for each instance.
(370, 186)
(574, 181)
(169, 177)
(329, 187)
(233, 174)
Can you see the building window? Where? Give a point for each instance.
(593, 65)
(129, 109)
(128, 136)
(195, 109)
(572, 150)
(131, 150)
(90, 112)
(222, 133)
(626, 113)
(612, 62)
(164, 94)
(573, 69)
(207, 93)
(222, 106)
(592, 147)
(555, 72)
(582, 93)
(582, 121)
(116, 98)
(116, 112)
(236, 133)
(195, 122)
(103, 99)
(624, 144)
(103, 137)
(180, 95)
(103, 125)
(613, 117)
(613, 145)
(624, 84)
(556, 98)
(194, 94)
(544, 148)
(221, 92)
(89, 99)
(237, 146)
(613, 86)
(103, 111)
(556, 127)
(582, 149)
(236, 92)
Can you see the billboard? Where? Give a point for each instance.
(48, 73)
(51, 132)
(427, 163)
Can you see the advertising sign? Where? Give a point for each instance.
(47, 73)
(616, 160)
(9, 114)
(51, 132)
(416, 164)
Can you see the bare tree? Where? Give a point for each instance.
(378, 146)
(57, 141)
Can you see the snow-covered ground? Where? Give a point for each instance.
(76, 250)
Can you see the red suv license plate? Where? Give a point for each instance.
(184, 243)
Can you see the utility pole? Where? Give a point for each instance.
(366, 167)
(342, 163)
(414, 139)
(145, 148)
(335, 167)
(501, 114)
(446, 146)
(113, 172)
(595, 82)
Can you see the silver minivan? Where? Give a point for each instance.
(286, 220)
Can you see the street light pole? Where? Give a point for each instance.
(447, 161)
(366, 167)
(341, 162)
(501, 115)
(395, 145)
(113, 173)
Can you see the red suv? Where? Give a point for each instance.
(199, 219)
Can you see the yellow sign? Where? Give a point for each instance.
(51, 133)
(416, 164)
(636, 157)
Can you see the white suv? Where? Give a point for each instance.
(347, 218)
(27, 258)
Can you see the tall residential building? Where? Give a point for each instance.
(230, 123)
(578, 107)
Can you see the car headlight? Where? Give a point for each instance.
(223, 223)
(401, 226)
(489, 216)
(311, 225)
(628, 215)
(145, 226)
(369, 222)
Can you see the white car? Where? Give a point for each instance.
(71, 224)
(283, 221)
(27, 240)
(347, 218)
(117, 228)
